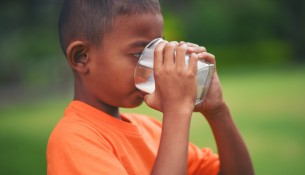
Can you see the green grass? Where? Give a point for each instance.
(268, 107)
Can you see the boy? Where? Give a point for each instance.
(102, 41)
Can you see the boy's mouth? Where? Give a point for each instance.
(141, 92)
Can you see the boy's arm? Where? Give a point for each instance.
(175, 98)
(233, 154)
(173, 149)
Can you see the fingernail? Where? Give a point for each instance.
(194, 55)
(191, 49)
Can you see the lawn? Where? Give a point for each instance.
(268, 107)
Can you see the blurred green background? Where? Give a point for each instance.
(260, 51)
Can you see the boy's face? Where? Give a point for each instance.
(111, 79)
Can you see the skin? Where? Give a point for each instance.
(104, 79)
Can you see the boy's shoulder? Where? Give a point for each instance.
(148, 126)
(81, 121)
(142, 119)
(72, 126)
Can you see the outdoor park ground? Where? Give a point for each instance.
(268, 107)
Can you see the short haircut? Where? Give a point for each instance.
(90, 20)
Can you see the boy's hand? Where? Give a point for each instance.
(175, 82)
(165, 60)
(214, 99)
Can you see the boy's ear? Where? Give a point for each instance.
(77, 56)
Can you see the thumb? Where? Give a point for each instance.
(152, 102)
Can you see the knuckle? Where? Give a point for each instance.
(167, 69)
(191, 75)
(213, 56)
(157, 73)
(194, 57)
(170, 45)
(179, 71)
(158, 49)
(182, 49)
(203, 48)
(192, 44)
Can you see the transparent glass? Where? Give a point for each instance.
(144, 77)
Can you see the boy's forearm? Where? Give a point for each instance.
(173, 149)
(233, 153)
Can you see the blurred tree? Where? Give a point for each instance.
(237, 31)
(29, 43)
(269, 32)
(295, 10)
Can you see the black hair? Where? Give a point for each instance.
(90, 20)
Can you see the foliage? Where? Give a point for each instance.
(259, 27)
(269, 32)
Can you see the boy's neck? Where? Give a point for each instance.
(110, 110)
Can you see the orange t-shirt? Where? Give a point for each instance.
(89, 141)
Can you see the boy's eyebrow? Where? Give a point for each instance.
(139, 44)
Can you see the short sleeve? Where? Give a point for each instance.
(202, 161)
(78, 150)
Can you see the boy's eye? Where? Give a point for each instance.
(137, 55)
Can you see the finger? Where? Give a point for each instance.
(196, 49)
(193, 62)
(153, 101)
(191, 47)
(181, 43)
(158, 55)
(207, 57)
(192, 44)
(180, 56)
(169, 53)
(200, 49)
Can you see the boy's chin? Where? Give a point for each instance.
(135, 104)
